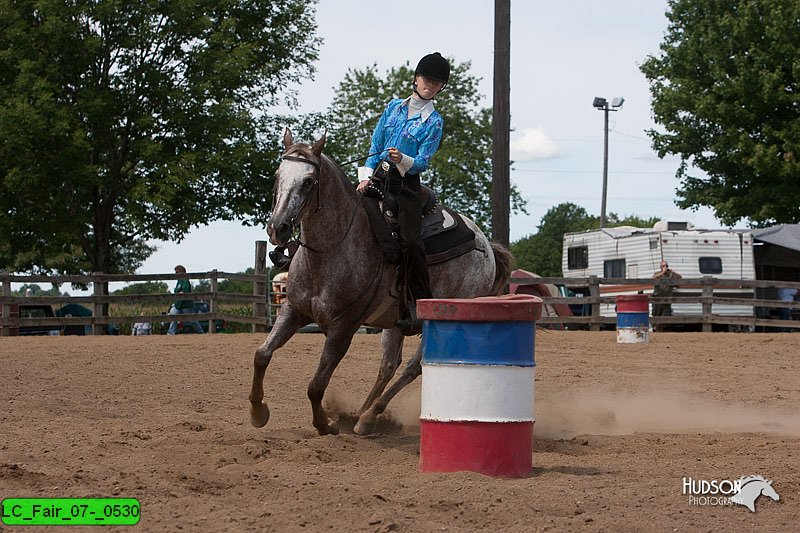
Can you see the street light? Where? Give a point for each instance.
(602, 105)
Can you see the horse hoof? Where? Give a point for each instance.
(330, 429)
(363, 428)
(259, 415)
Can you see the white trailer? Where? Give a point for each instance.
(630, 252)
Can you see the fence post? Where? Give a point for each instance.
(6, 307)
(594, 292)
(98, 292)
(707, 297)
(260, 287)
(212, 304)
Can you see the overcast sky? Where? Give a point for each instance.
(563, 54)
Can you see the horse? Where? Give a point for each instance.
(751, 487)
(340, 280)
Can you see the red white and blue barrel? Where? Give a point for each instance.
(633, 318)
(478, 370)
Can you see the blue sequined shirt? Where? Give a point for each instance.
(417, 137)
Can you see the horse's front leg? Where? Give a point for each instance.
(336, 345)
(392, 348)
(366, 422)
(287, 325)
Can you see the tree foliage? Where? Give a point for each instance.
(37, 290)
(122, 122)
(541, 252)
(726, 90)
(461, 170)
(147, 287)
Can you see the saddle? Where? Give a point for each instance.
(444, 232)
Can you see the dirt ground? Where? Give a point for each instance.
(165, 420)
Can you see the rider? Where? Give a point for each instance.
(406, 137)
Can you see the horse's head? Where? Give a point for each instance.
(296, 180)
(768, 491)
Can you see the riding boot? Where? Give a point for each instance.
(411, 325)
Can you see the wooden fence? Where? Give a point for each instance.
(706, 291)
(264, 312)
(261, 318)
(98, 301)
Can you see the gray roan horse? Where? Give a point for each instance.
(340, 280)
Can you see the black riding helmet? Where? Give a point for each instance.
(435, 67)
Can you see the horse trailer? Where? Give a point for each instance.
(636, 253)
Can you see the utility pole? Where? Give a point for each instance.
(601, 104)
(605, 170)
(501, 122)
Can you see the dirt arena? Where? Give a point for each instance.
(165, 420)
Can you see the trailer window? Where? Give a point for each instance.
(614, 268)
(710, 265)
(577, 257)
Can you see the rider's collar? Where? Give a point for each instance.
(426, 111)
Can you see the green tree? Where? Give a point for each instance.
(461, 170)
(236, 286)
(148, 287)
(631, 220)
(228, 285)
(726, 90)
(122, 122)
(541, 252)
(36, 290)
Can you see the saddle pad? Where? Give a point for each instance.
(445, 235)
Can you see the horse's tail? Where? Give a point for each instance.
(504, 264)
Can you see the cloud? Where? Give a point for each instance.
(533, 143)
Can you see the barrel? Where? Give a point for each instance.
(478, 369)
(633, 319)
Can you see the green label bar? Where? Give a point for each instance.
(69, 511)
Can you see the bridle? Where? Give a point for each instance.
(315, 185)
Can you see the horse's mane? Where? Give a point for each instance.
(748, 479)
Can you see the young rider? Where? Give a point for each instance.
(406, 137)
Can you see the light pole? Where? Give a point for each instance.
(602, 104)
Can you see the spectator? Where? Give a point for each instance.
(664, 289)
(142, 328)
(786, 294)
(279, 288)
(182, 307)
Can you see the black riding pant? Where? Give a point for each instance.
(409, 215)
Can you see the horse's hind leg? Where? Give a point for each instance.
(392, 348)
(336, 346)
(366, 422)
(287, 324)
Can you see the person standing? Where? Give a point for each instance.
(664, 289)
(786, 294)
(405, 139)
(182, 307)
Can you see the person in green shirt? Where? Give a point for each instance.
(182, 307)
